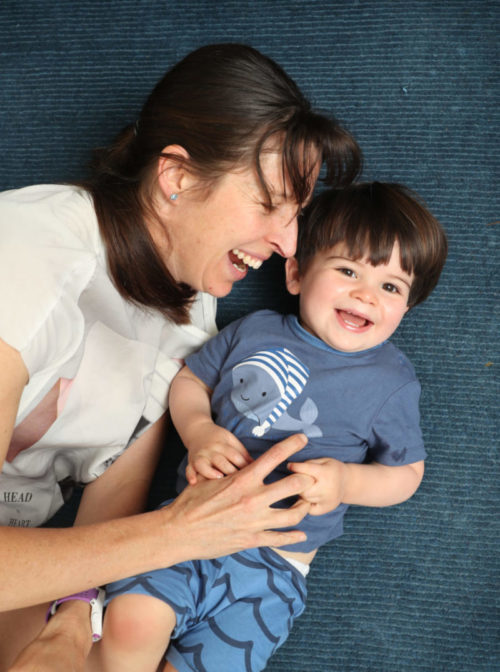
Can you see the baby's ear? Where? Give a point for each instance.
(292, 276)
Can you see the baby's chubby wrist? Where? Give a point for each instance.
(346, 482)
(195, 435)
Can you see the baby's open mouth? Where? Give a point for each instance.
(353, 319)
(242, 261)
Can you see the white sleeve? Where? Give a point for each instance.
(43, 271)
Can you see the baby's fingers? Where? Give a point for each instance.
(224, 465)
(238, 456)
(191, 475)
(207, 469)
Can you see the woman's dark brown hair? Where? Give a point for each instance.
(222, 104)
(368, 218)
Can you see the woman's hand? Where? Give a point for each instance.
(223, 516)
(214, 453)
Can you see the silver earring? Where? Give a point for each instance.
(174, 197)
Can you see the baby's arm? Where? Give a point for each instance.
(212, 450)
(372, 484)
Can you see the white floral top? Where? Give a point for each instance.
(100, 367)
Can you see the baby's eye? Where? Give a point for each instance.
(389, 287)
(347, 271)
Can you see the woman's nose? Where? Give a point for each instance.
(284, 237)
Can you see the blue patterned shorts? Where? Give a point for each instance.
(232, 612)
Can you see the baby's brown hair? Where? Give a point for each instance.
(368, 218)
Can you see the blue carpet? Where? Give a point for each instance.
(412, 588)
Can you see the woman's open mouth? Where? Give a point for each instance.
(242, 260)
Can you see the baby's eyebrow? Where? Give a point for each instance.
(332, 257)
(401, 279)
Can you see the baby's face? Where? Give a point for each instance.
(351, 305)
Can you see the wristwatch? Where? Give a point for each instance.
(95, 597)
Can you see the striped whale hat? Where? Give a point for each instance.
(289, 374)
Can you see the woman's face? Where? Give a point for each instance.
(215, 239)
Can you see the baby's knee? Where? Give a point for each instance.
(136, 621)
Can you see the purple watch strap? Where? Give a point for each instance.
(84, 596)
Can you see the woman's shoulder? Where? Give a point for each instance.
(48, 255)
(48, 215)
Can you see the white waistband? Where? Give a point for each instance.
(300, 566)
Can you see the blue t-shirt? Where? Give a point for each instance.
(271, 378)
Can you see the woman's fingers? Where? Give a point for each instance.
(295, 484)
(277, 454)
(226, 515)
(284, 518)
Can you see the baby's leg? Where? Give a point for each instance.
(136, 633)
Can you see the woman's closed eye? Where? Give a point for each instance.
(269, 208)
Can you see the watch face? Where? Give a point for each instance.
(96, 614)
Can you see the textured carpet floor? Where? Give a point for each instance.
(412, 588)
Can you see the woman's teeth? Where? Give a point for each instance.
(247, 259)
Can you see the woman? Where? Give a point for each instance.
(109, 285)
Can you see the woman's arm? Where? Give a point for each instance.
(207, 520)
(121, 491)
(212, 519)
(123, 488)
(14, 378)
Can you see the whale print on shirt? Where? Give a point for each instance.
(266, 384)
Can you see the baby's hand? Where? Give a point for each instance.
(217, 453)
(326, 493)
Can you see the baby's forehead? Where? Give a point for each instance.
(355, 252)
(390, 255)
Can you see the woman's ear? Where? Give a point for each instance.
(173, 176)
(292, 276)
